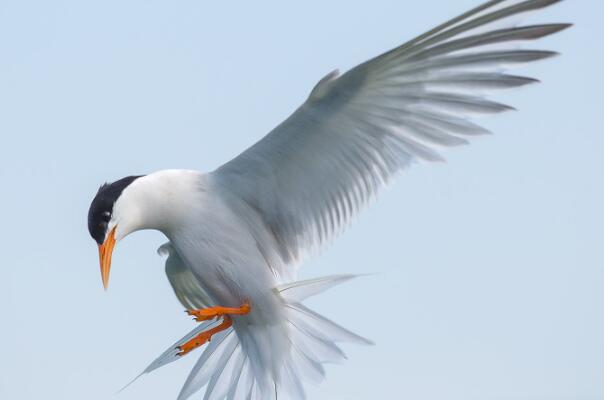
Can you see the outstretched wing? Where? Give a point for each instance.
(183, 282)
(312, 173)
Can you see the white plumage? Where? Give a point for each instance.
(237, 234)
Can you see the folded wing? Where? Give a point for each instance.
(186, 288)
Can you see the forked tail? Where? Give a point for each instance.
(231, 368)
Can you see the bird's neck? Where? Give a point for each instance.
(161, 201)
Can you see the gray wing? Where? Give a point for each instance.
(308, 177)
(186, 288)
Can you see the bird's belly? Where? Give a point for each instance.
(232, 276)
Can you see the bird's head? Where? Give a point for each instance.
(162, 200)
(112, 215)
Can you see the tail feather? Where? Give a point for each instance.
(171, 353)
(219, 384)
(211, 363)
(324, 327)
(248, 363)
(263, 344)
(239, 381)
(290, 384)
(310, 343)
(311, 369)
(301, 290)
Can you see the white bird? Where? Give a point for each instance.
(236, 234)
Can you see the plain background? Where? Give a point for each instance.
(487, 271)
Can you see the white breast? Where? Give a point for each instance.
(222, 249)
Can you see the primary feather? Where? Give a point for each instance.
(314, 172)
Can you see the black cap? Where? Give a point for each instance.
(101, 208)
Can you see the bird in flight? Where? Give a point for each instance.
(237, 234)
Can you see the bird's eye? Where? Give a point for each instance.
(106, 216)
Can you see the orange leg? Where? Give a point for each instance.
(204, 337)
(215, 312)
(209, 313)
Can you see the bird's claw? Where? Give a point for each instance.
(207, 314)
(194, 343)
(217, 312)
(203, 315)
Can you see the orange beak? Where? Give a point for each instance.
(105, 252)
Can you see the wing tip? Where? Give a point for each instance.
(559, 27)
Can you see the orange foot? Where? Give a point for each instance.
(209, 313)
(204, 337)
(215, 312)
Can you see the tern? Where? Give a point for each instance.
(237, 234)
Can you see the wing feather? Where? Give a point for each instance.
(186, 288)
(313, 173)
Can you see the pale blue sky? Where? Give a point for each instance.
(490, 273)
